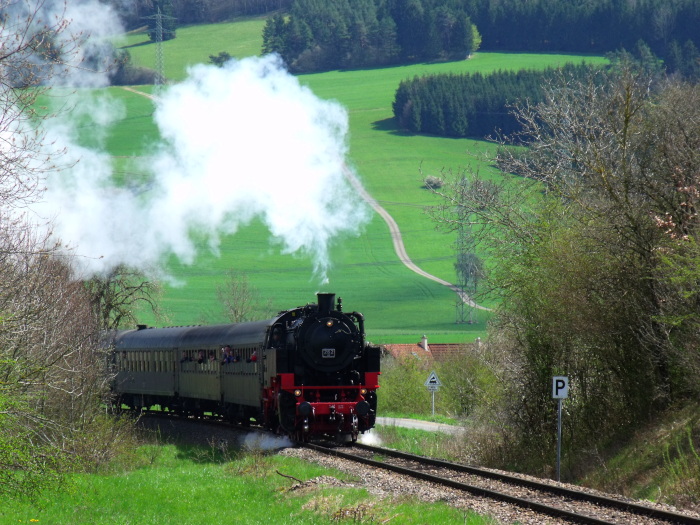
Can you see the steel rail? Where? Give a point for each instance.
(605, 501)
(500, 496)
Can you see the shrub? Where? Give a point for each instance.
(431, 182)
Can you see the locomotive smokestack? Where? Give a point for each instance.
(325, 302)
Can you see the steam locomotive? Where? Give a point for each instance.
(306, 373)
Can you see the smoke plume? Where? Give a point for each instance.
(240, 142)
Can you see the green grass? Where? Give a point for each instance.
(399, 305)
(195, 486)
(194, 44)
(437, 418)
(438, 445)
(658, 462)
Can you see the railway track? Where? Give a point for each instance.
(548, 499)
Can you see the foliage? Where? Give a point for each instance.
(469, 377)
(387, 31)
(402, 387)
(469, 381)
(594, 26)
(320, 35)
(473, 105)
(683, 60)
(432, 181)
(220, 59)
(590, 254)
(54, 374)
(51, 368)
(162, 25)
(682, 463)
(26, 467)
(189, 12)
(117, 295)
(124, 73)
(240, 300)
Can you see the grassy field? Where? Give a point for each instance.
(192, 486)
(194, 44)
(399, 305)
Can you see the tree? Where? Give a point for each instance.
(590, 249)
(161, 22)
(240, 300)
(53, 371)
(220, 59)
(116, 296)
(124, 73)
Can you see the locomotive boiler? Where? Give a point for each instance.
(308, 372)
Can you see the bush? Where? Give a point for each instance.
(402, 389)
(124, 73)
(431, 182)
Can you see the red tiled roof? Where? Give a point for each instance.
(406, 351)
(435, 351)
(445, 350)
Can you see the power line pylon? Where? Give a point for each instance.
(160, 63)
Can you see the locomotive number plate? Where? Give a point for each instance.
(328, 353)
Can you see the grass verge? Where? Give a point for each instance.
(185, 485)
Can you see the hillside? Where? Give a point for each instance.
(399, 305)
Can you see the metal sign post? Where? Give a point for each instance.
(560, 391)
(433, 384)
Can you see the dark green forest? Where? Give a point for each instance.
(471, 105)
(477, 105)
(188, 12)
(591, 26)
(325, 34)
(322, 34)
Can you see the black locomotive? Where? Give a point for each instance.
(308, 372)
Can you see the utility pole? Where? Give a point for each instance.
(160, 63)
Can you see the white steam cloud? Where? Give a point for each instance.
(240, 142)
(370, 438)
(265, 442)
(80, 29)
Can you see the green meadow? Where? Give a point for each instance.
(399, 305)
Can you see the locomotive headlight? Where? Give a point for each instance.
(329, 323)
(297, 393)
(363, 391)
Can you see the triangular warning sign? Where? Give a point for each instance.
(433, 380)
